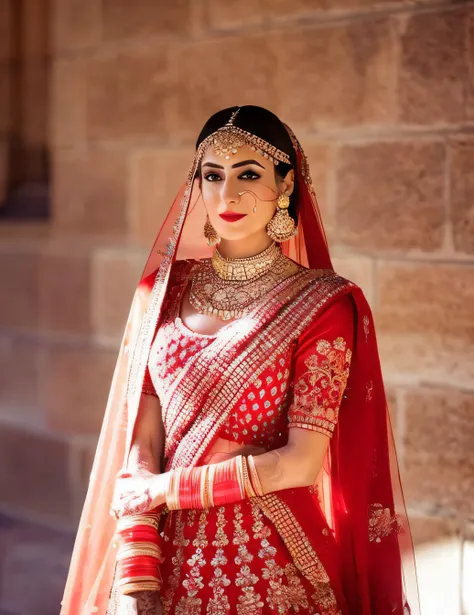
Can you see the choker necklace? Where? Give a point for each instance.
(245, 268)
(230, 287)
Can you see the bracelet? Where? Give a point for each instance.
(254, 475)
(247, 482)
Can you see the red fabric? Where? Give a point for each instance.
(322, 363)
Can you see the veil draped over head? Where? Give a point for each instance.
(362, 466)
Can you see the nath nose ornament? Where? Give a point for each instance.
(255, 206)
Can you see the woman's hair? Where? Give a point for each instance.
(266, 125)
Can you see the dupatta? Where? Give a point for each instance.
(366, 503)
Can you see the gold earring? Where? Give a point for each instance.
(210, 233)
(282, 226)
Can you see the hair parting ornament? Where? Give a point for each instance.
(226, 140)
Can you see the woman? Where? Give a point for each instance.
(246, 453)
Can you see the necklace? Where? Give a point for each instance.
(230, 287)
(240, 269)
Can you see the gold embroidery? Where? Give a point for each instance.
(318, 392)
(296, 541)
(325, 598)
(289, 597)
(370, 390)
(382, 523)
(250, 602)
(220, 602)
(193, 583)
(178, 559)
(366, 321)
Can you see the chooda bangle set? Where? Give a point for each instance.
(213, 485)
(138, 554)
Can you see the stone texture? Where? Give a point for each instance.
(5, 97)
(18, 278)
(76, 23)
(146, 18)
(90, 192)
(358, 269)
(34, 473)
(226, 15)
(4, 169)
(5, 29)
(75, 382)
(65, 292)
(390, 196)
(156, 176)
(432, 530)
(424, 321)
(128, 95)
(322, 158)
(302, 8)
(68, 102)
(246, 68)
(434, 76)
(462, 194)
(116, 275)
(439, 439)
(335, 76)
(33, 567)
(19, 361)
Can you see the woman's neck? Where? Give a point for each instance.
(243, 248)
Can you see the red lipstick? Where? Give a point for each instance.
(231, 216)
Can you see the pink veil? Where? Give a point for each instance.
(181, 237)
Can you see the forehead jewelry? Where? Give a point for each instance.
(227, 140)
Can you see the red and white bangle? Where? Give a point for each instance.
(213, 485)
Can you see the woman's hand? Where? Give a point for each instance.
(140, 603)
(137, 492)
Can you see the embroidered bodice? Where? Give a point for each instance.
(302, 387)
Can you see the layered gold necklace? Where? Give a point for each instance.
(230, 287)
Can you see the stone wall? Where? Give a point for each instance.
(381, 94)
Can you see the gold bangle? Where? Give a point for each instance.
(240, 475)
(130, 585)
(256, 484)
(249, 491)
(210, 484)
(125, 523)
(136, 550)
(172, 494)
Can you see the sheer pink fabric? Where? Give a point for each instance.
(361, 471)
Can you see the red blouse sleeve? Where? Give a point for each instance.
(321, 368)
(148, 387)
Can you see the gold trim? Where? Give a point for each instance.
(304, 556)
(125, 523)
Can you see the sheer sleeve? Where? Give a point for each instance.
(321, 368)
(148, 387)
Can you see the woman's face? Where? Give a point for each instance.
(245, 181)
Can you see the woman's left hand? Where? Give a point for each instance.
(136, 492)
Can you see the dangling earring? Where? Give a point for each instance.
(210, 233)
(282, 226)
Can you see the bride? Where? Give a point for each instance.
(246, 462)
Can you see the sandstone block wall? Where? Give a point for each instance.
(381, 94)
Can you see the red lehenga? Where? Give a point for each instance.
(306, 357)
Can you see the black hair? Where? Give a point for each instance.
(266, 125)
